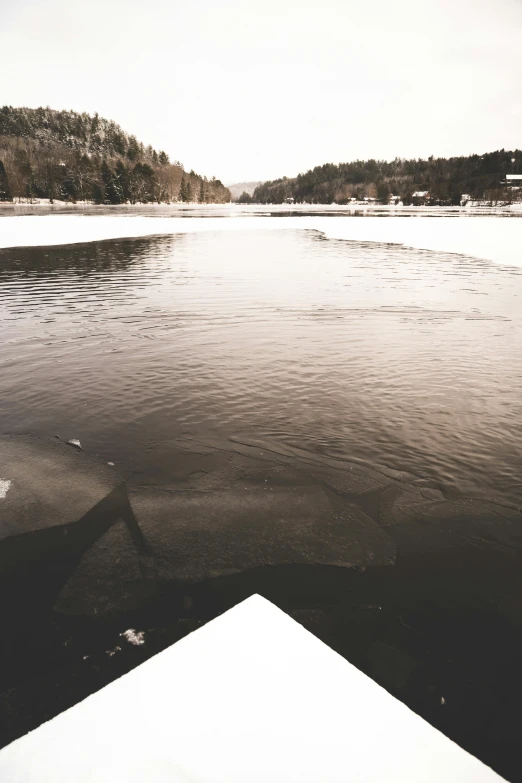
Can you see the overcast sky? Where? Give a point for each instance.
(248, 90)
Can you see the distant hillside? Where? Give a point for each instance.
(444, 180)
(239, 188)
(78, 157)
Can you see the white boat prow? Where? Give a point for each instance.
(250, 697)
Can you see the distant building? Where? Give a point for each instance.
(513, 187)
(514, 181)
(420, 197)
(464, 199)
(289, 200)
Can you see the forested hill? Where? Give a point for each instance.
(78, 157)
(445, 179)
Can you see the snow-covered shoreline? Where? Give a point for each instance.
(485, 237)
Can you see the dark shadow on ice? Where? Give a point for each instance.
(35, 566)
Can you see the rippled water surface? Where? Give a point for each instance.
(404, 358)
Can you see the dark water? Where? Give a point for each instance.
(396, 357)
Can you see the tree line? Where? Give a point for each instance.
(68, 156)
(445, 179)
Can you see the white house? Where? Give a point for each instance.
(421, 196)
(514, 181)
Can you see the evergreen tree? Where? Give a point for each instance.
(383, 192)
(113, 194)
(98, 193)
(31, 186)
(68, 190)
(141, 183)
(133, 150)
(51, 182)
(122, 179)
(5, 193)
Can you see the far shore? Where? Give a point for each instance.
(352, 207)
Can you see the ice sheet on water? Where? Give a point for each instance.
(490, 238)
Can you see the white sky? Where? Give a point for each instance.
(248, 90)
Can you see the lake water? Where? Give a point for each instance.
(390, 356)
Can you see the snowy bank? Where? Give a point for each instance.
(490, 238)
(252, 697)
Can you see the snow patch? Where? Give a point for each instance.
(4, 487)
(134, 637)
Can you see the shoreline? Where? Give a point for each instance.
(355, 207)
